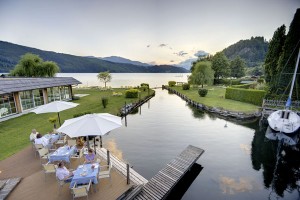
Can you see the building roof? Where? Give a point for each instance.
(9, 85)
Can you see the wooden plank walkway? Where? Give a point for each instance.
(122, 168)
(163, 182)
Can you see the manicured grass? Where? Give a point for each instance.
(14, 133)
(216, 98)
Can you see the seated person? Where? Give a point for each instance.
(40, 140)
(63, 174)
(33, 135)
(90, 157)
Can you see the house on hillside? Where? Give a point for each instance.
(22, 94)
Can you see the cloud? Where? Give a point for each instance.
(171, 61)
(162, 45)
(201, 53)
(181, 53)
(243, 184)
(148, 45)
(186, 63)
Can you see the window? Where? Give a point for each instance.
(7, 105)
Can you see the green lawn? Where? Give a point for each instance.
(15, 132)
(216, 98)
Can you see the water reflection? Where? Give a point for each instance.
(279, 163)
(243, 184)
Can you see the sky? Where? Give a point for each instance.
(150, 31)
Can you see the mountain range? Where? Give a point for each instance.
(11, 53)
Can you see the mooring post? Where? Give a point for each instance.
(128, 174)
(125, 114)
(108, 157)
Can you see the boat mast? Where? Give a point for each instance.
(288, 103)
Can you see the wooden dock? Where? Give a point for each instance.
(119, 165)
(160, 186)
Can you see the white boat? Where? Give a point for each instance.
(286, 121)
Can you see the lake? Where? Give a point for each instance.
(238, 162)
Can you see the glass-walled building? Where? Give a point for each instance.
(21, 94)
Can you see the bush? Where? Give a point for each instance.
(132, 93)
(144, 88)
(186, 86)
(245, 95)
(226, 81)
(260, 80)
(172, 83)
(81, 114)
(104, 101)
(202, 92)
(145, 85)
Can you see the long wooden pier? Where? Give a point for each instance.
(165, 180)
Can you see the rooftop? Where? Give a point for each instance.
(9, 85)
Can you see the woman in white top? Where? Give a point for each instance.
(63, 174)
(40, 140)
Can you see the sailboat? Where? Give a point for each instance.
(286, 121)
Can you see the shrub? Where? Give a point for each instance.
(172, 83)
(144, 88)
(80, 114)
(145, 85)
(202, 92)
(226, 81)
(245, 95)
(245, 86)
(132, 93)
(260, 80)
(186, 86)
(104, 101)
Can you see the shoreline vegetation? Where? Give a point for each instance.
(15, 132)
(215, 102)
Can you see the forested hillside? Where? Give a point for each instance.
(10, 55)
(253, 51)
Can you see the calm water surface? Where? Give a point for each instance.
(238, 163)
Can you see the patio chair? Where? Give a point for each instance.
(78, 157)
(81, 191)
(105, 173)
(43, 154)
(71, 142)
(37, 147)
(49, 169)
(62, 141)
(61, 184)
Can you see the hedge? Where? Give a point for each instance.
(245, 95)
(186, 86)
(172, 83)
(132, 93)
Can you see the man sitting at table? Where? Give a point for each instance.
(41, 140)
(90, 157)
(63, 174)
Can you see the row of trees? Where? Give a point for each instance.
(31, 65)
(281, 58)
(206, 70)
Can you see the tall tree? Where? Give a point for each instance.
(104, 77)
(31, 65)
(272, 57)
(202, 73)
(287, 60)
(237, 67)
(220, 65)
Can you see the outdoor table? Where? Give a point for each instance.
(51, 138)
(62, 153)
(84, 173)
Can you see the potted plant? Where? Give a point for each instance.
(53, 121)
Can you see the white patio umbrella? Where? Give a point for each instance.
(90, 125)
(54, 107)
